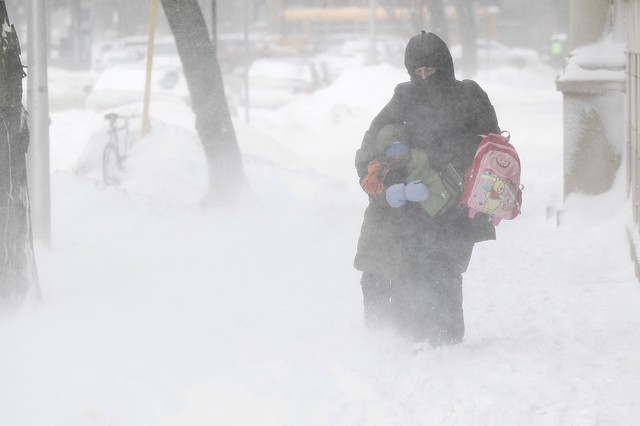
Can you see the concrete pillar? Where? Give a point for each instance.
(593, 87)
(589, 21)
(633, 105)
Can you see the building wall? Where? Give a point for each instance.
(594, 99)
(530, 24)
(633, 92)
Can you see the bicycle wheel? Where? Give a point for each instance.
(110, 165)
(122, 144)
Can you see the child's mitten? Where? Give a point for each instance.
(372, 182)
(395, 195)
(417, 191)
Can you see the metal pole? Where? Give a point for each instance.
(247, 61)
(74, 32)
(372, 32)
(38, 108)
(147, 86)
(214, 26)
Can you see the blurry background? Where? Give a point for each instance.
(272, 51)
(158, 313)
(282, 46)
(81, 31)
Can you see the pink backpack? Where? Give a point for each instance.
(492, 183)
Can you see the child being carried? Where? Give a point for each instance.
(405, 174)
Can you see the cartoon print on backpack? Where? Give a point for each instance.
(493, 196)
(492, 183)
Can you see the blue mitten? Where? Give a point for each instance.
(417, 191)
(395, 195)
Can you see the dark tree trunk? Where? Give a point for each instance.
(213, 119)
(18, 274)
(437, 18)
(214, 26)
(467, 29)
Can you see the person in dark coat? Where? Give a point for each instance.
(412, 264)
(380, 251)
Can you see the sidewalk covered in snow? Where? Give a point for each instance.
(156, 312)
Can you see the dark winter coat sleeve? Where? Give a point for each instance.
(480, 119)
(448, 132)
(391, 113)
(480, 108)
(473, 115)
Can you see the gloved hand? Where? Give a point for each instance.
(417, 191)
(371, 183)
(395, 195)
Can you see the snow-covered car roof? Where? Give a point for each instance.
(124, 84)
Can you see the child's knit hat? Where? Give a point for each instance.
(397, 149)
(388, 134)
(392, 142)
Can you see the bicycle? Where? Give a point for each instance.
(115, 151)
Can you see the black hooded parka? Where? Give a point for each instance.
(423, 257)
(444, 117)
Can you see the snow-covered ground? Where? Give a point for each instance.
(157, 312)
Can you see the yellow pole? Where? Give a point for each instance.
(147, 88)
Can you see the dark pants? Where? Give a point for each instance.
(430, 308)
(425, 299)
(376, 298)
(424, 308)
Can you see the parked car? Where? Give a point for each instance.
(131, 50)
(123, 69)
(234, 51)
(338, 52)
(273, 82)
(493, 54)
(125, 84)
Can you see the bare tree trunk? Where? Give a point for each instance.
(204, 78)
(421, 10)
(467, 28)
(438, 18)
(18, 274)
(214, 26)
